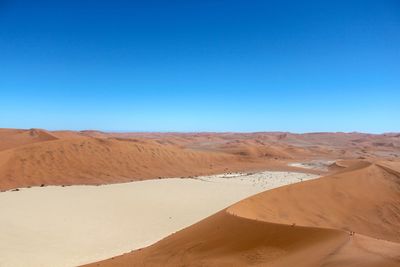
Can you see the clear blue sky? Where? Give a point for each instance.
(184, 65)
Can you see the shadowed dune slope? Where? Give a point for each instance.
(34, 157)
(88, 160)
(364, 199)
(304, 224)
(228, 240)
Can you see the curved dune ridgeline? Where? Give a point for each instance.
(310, 223)
(88, 160)
(364, 199)
(305, 224)
(11, 138)
(36, 157)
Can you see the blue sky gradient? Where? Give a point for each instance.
(297, 66)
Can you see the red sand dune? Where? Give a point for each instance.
(34, 157)
(88, 160)
(304, 224)
(11, 138)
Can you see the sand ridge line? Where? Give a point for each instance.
(64, 226)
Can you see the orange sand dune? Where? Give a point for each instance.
(11, 138)
(35, 157)
(365, 199)
(331, 145)
(253, 148)
(88, 160)
(304, 224)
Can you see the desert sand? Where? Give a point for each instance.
(34, 157)
(348, 217)
(68, 226)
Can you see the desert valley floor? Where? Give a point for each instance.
(199, 199)
(120, 217)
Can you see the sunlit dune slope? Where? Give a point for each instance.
(305, 224)
(11, 138)
(364, 199)
(35, 157)
(255, 149)
(89, 160)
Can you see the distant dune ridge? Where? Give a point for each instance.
(37, 157)
(10, 138)
(349, 217)
(346, 219)
(96, 161)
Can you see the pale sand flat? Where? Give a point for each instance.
(68, 226)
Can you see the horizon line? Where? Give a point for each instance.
(201, 132)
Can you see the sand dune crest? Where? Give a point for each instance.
(304, 224)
